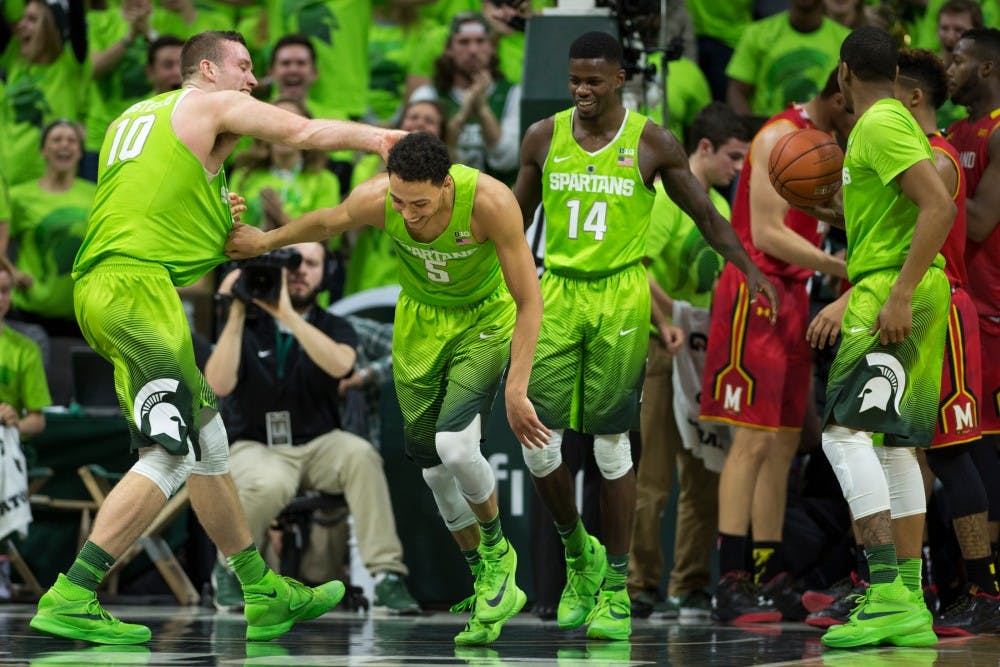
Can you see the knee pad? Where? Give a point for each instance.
(858, 470)
(613, 454)
(451, 504)
(459, 452)
(543, 462)
(906, 484)
(214, 448)
(961, 482)
(167, 471)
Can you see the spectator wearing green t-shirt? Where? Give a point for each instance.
(23, 388)
(685, 268)
(48, 220)
(46, 79)
(717, 27)
(782, 59)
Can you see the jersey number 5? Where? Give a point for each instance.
(594, 222)
(436, 272)
(130, 137)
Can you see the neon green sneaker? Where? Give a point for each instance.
(611, 617)
(887, 610)
(275, 603)
(476, 632)
(71, 611)
(584, 576)
(496, 587)
(921, 637)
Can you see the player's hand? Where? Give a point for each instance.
(761, 286)
(9, 416)
(245, 241)
(895, 320)
(825, 327)
(671, 336)
(237, 206)
(389, 139)
(831, 211)
(527, 427)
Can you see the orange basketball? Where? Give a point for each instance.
(805, 167)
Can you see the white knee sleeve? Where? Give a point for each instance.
(858, 470)
(906, 484)
(613, 454)
(167, 471)
(459, 452)
(453, 507)
(543, 462)
(214, 445)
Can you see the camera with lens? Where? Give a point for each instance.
(260, 277)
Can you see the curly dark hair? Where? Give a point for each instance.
(419, 157)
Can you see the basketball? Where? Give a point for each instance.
(805, 167)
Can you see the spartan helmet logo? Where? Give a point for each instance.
(156, 417)
(890, 384)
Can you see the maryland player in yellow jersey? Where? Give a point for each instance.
(593, 168)
(470, 303)
(160, 218)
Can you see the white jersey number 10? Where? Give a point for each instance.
(130, 137)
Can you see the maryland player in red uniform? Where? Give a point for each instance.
(756, 372)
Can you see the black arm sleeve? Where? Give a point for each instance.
(78, 29)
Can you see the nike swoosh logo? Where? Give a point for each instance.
(864, 615)
(264, 353)
(503, 589)
(858, 329)
(625, 332)
(615, 615)
(486, 336)
(561, 158)
(272, 594)
(89, 617)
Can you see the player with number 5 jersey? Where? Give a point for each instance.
(592, 167)
(160, 218)
(470, 302)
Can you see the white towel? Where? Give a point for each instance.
(15, 512)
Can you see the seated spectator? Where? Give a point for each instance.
(282, 182)
(45, 80)
(163, 64)
(47, 223)
(483, 107)
(23, 388)
(279, 374)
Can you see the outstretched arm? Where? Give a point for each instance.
(495, 212)
(364, 206)
(672, 165)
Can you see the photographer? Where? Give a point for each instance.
(279, 374)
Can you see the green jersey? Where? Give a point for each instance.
(155, 201)
(22, 376)
(453, 269)
(885, 142)
(49, 227)
(597, 206)
(682, 262)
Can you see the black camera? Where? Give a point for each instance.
(260, 277)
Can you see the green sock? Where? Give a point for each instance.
(90, 566)
(909, 572)
(490, 532)
(882, 563)
(574, 536)
(249, 567)
(472, 558)
(617, 572)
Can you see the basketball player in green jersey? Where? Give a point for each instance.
(460, 247)
(160, 219)
(593, 168)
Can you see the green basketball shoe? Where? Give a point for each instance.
(71, 611)
(611, 617)
(275, 603)
(584, 576)
(922, 636)
(887, 610)
(496, 587)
